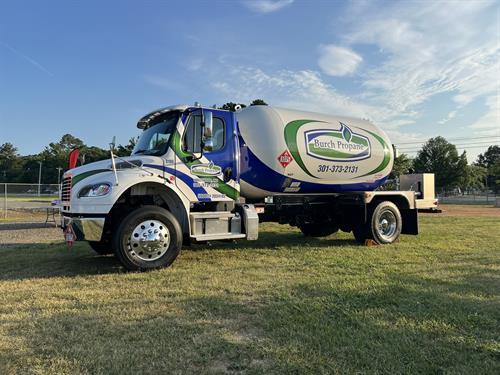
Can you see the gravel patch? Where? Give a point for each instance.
(28, 233)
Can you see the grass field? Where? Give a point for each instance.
(428, 304)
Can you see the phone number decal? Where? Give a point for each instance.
(323, 168)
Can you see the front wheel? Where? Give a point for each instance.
(148, 238)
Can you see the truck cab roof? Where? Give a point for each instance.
(143, 122)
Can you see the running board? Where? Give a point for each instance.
(218, 236)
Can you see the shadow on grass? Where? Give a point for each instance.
(411, 325)
(53, 260)
(42, 260)
(277, 239)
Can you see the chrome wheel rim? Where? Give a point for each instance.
(149, 240)
(387, 224)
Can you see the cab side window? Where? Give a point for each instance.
(192, 134)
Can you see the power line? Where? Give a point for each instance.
(457, 145)
(450, 139)
(417, 150)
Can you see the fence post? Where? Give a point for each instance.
(5, 201)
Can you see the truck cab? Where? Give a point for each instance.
(180, 184)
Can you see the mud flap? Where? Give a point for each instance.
(410, 221)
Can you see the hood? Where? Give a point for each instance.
(120, 163)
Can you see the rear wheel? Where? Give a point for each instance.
(101, 247)
(318, 229)
(385, 223)
(149, 237)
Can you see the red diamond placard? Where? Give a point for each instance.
(285, 158)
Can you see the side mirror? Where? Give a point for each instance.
(209, 124)
(207, 140)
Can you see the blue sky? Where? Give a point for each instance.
(92, 68)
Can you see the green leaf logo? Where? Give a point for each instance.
(346, 133)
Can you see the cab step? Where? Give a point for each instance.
(218, 236)
(215, 225)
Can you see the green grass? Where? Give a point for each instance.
(31, 198)
(428, 304)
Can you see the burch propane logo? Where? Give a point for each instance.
(206, 169)
(337, 145)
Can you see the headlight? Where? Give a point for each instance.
(96, 190)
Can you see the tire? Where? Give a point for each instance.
(101, 247)
(318, 229)
(385, 223)
(149, 237)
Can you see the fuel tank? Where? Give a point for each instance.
(295, 152)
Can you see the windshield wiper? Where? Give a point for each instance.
(140, 151)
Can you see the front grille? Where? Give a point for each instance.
(66, 189)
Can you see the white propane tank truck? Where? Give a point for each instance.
(205, 174)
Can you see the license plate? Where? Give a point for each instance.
(69, 236)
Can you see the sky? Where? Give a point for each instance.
(93, 68)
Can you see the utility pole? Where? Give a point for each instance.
(59, 181)
(59, 169)
(39, 177)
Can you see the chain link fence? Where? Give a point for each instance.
(29, 202)
(456, 196)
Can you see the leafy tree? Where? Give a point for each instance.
(473, 178)
(489, 160)
(494, 176)
(56, 155)
(258, 102)
(8, 160)
(490, 156)
(440, 157)
(127, 149)
(402, 165)
(230, 106)
(90, 154)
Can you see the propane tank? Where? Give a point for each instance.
(293, 152)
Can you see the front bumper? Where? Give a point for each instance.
(85, 228)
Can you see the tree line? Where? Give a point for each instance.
(52, 161)
(452, 172)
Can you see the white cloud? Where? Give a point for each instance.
(338, 61)
(161, 82)
(450, 116)
(303, 89)
(32, 61)
(428, 48)
(489, 123)
(266, 6)
(194, 64)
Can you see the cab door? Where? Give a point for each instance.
(214, 171)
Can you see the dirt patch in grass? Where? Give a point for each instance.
(467, 210)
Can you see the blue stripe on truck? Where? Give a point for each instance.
(184, 178)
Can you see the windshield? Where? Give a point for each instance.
(155, 139)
